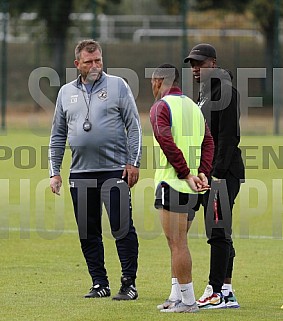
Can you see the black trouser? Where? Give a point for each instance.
(222, 251)
(104, 187)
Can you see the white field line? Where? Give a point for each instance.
(143, 234)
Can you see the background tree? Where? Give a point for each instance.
(264, 13)
(56, 17)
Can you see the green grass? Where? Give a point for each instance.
(43, 274)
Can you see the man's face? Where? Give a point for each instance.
(202, 69)
(90, 65)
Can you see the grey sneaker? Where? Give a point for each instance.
(165, 305)
(181, 307)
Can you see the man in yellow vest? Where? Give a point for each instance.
(184, 150)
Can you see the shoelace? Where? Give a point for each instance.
(178, 303)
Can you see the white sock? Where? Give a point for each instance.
(187, 293)
(226, 288)
(175, 290)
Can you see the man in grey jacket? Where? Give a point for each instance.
(98, 115)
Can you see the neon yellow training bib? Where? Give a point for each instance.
(188, 128)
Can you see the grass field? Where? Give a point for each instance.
(43, 274)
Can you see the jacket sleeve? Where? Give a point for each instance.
(130, 116)
(58, 138)
(160, 122)
(228, 136)
(207, 152)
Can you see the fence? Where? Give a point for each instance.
(133, 42)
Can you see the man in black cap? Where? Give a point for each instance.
(219, 102)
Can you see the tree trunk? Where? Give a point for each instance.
(269, 49)
(58, 54)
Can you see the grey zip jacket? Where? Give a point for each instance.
(115, 138)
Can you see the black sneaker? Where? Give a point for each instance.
(127, 290)
(98, 291)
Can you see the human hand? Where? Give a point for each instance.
(55, 184)
(203, 178)
(196, 183)
(132, 174)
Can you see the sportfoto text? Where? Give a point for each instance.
(256, 200)
(254, 157)
(244, 75)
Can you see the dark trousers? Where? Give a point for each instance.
(222, 251)
(89, 191)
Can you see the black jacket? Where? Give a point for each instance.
(219, 102)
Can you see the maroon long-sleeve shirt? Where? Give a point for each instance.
(160, 118)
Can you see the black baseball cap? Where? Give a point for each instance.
(201, 52)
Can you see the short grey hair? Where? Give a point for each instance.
(89, 45)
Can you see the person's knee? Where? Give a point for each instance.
(177, 244)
